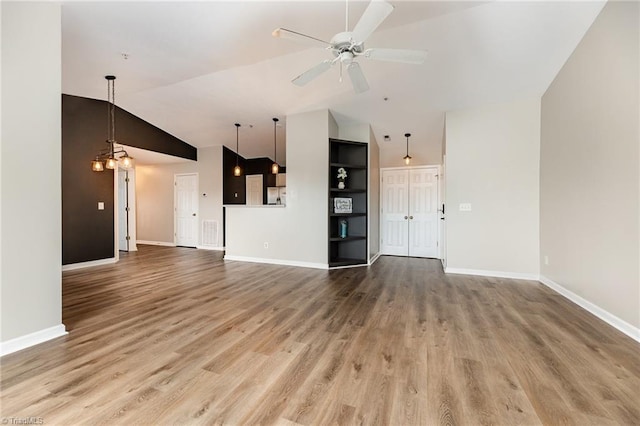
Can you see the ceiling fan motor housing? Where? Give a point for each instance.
(344, 43)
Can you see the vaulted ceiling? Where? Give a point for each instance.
(195, 68)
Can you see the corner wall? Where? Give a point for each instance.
(590, 171)
(492, 163)
(296, 233)
(31, 289)
(155, 192)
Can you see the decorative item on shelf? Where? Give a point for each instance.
(342, 175)
(342, 205)
(237, 171)
(343, 228)
(407, 158)
(112, 155)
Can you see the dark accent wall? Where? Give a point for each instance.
(88, 233)
(233, 185)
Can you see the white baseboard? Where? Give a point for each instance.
(23, 342)
(374, 258)
(81, 265)
(277, 262)
(605, 316)
(496, 274)
(156, 243)
(210, 248)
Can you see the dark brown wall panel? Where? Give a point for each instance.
(88, 233)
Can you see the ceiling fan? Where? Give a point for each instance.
(349, 45)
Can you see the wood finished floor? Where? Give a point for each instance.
(177, 336)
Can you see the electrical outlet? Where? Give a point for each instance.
(266, 245)
(465, 207)
(546, 260)
(100, 205)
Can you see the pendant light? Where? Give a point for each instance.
(274, 167)
(111, 156)
(237, 171)
(407, 158)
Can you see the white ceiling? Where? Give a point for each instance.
(196, 68)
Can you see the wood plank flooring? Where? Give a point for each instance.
(178, 336)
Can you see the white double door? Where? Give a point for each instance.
(409, 216)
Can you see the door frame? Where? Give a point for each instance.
(131, 201)
(175, 207)
(438, 168)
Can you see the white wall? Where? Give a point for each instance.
(297, 232)
(492, 162)
(155, 191)
(425, 147)
(31, 296)
(590, 168)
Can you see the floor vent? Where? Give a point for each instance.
(210, 233)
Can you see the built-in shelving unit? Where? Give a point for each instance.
(352, 249)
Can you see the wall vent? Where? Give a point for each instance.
(210, 233)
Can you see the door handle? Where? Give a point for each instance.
(193, 214)
(405, 218)
(410, 217)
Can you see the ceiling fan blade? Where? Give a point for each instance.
(374, 14)
(397, 55)
(312, 73)
(299, 37)
(358, 80)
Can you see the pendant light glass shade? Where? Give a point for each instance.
(237, 171)
(126, 161)
(111, 163)
(96, 165)
(407, 158)
(274, 167)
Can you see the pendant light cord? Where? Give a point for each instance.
(113, 110)
(237, 137)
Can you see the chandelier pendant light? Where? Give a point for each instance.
(237, 171)
(407, 158)
(111, 156)
(274, 167)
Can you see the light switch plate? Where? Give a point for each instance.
(465, 207)
(100, 205)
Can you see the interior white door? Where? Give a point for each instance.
(186, 210)
(423, 212)
(254, 190)
(395, 210)
(123, 211)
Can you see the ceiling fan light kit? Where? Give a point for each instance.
(349, 45)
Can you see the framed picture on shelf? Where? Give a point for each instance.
(342, 205)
